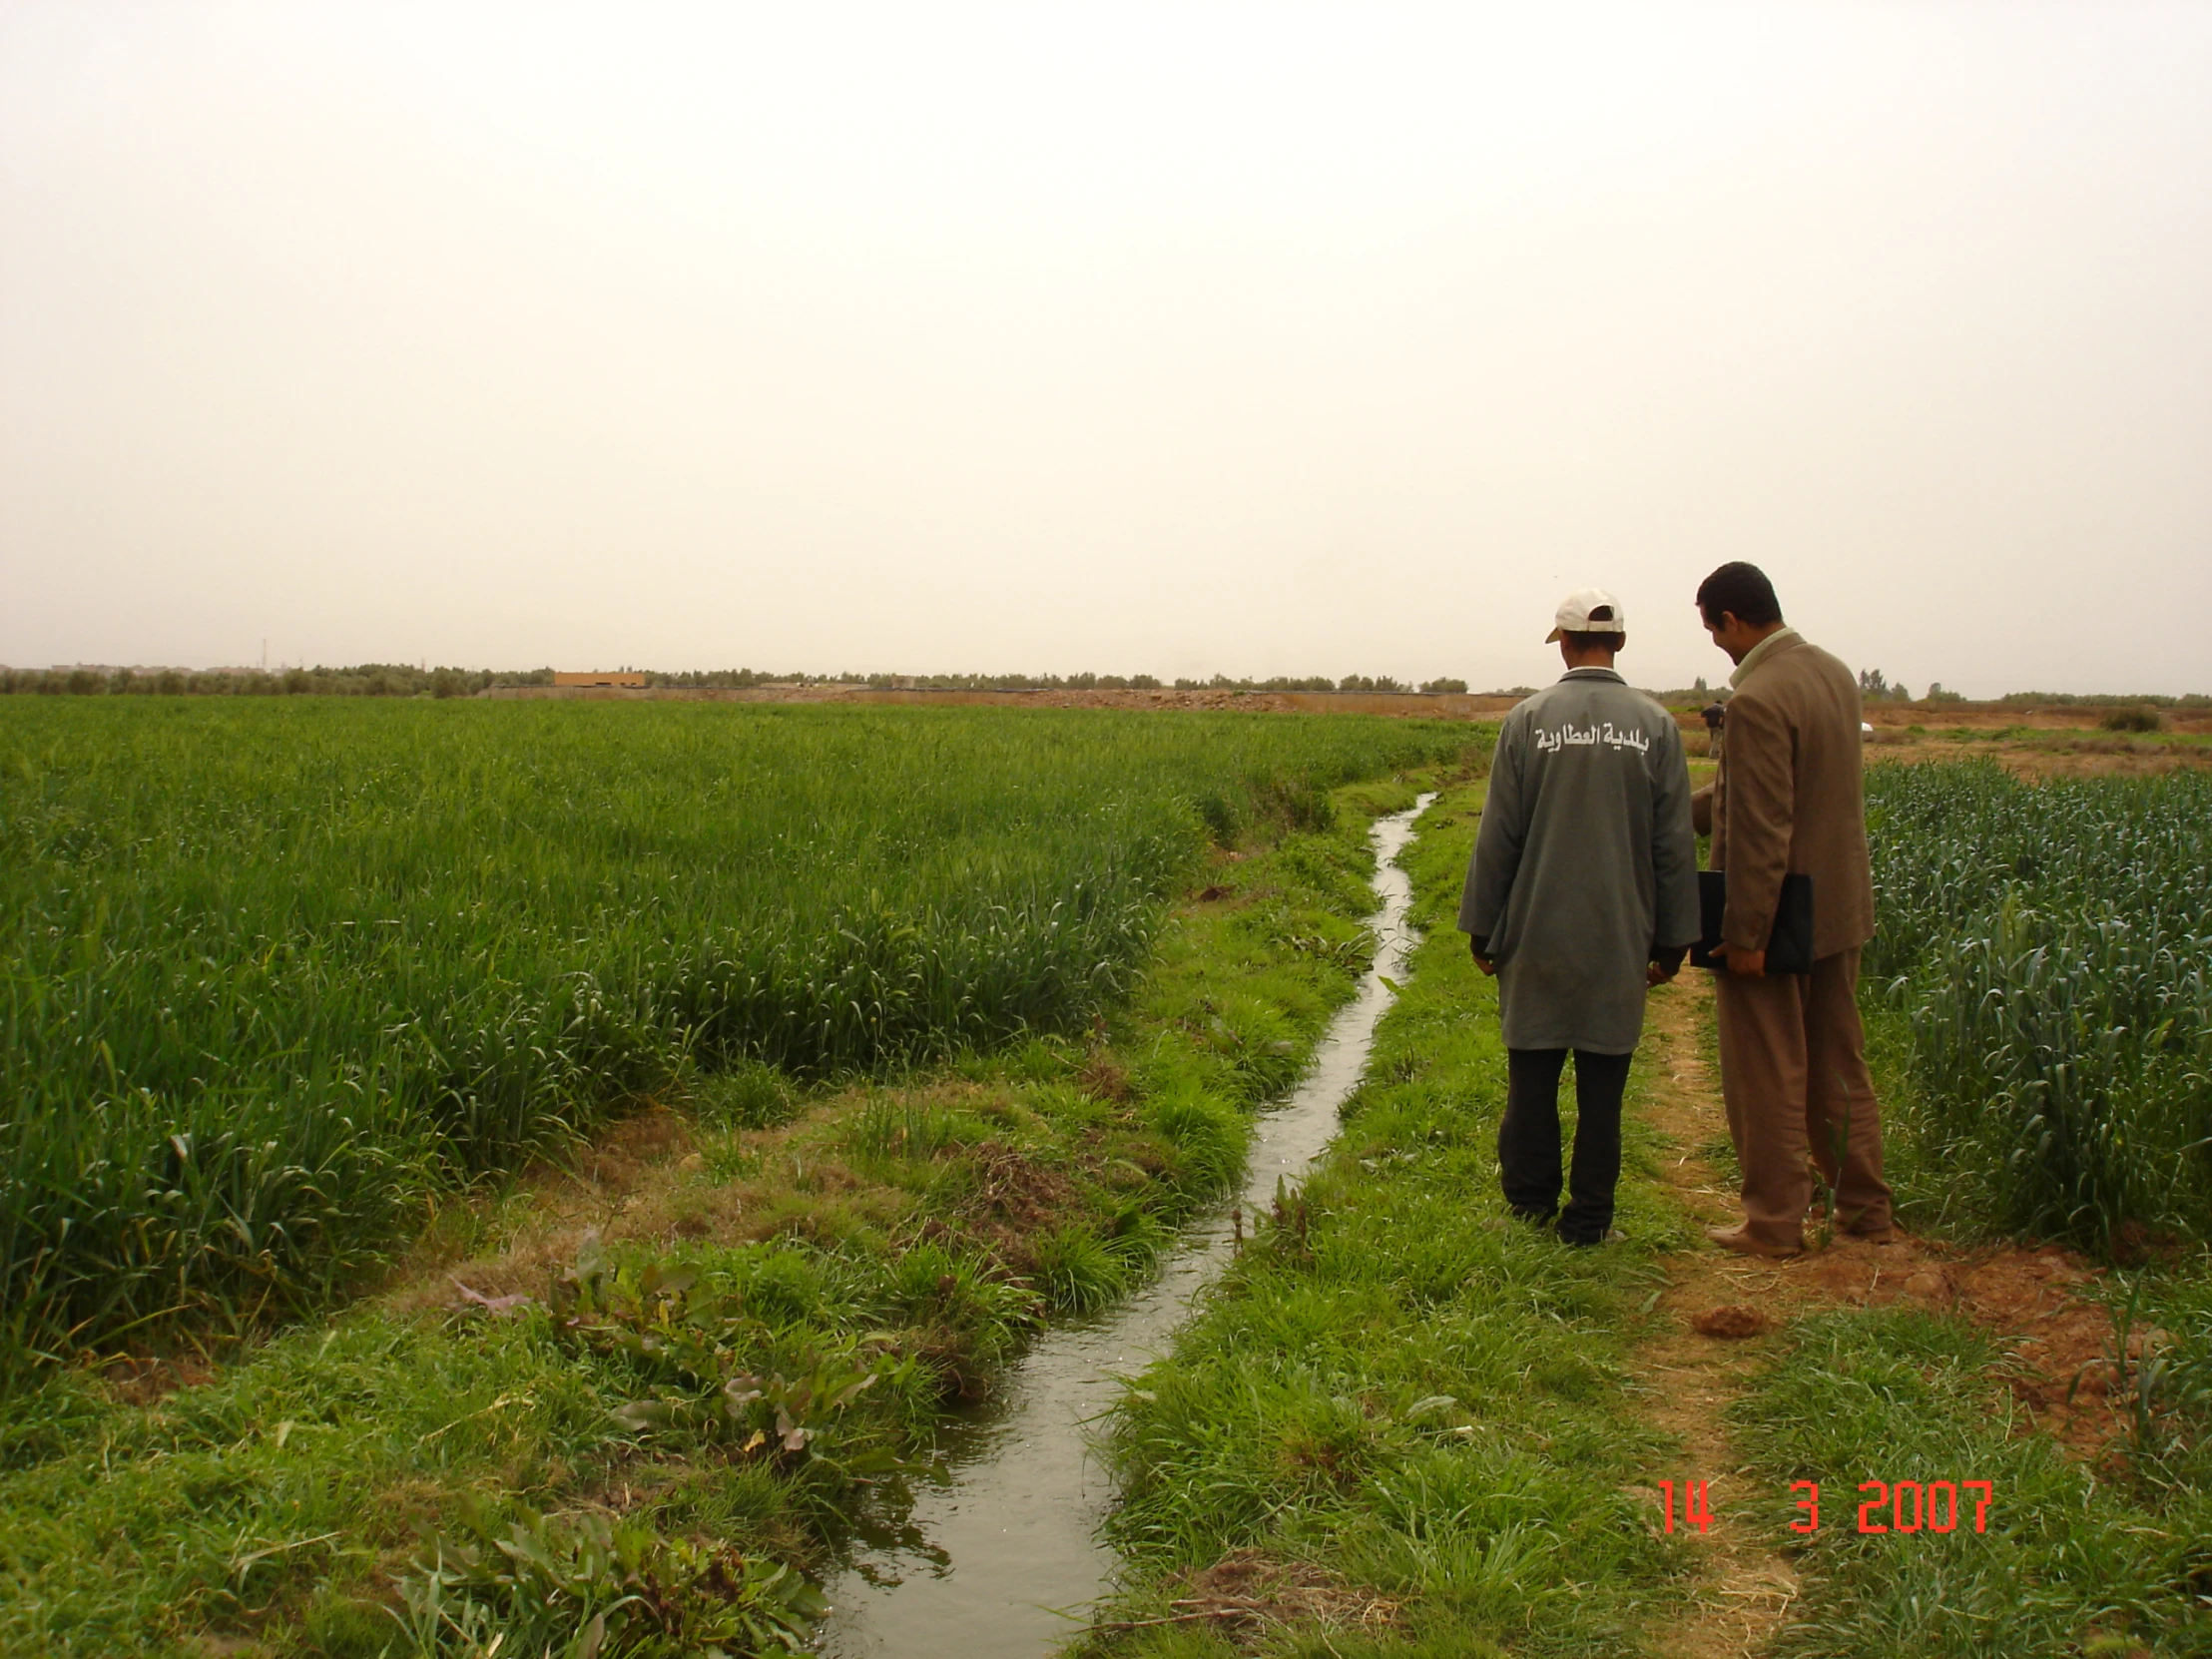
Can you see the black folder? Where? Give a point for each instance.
(1789, 946)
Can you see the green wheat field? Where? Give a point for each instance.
(275, 971)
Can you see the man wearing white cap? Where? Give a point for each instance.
(1581, 894)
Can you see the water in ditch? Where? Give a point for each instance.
(1000, 1558)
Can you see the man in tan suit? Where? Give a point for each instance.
(1788, 798)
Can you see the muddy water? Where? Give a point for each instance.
(1000, 1561)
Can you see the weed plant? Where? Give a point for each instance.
(275, 970)
(594, 1587)
(2043, 956)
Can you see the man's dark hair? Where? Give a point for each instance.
(1742, 590)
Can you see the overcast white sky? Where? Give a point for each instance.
(1268, 338)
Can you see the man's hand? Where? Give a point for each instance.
(1482, 958)
(1751, 964)
(1657, 973)
(1489, 966)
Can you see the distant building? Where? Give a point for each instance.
(595, 678)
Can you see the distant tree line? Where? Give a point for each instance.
(408, 679)
(363, 679)
(744, 678)
(2100, 699)
(1874, 688)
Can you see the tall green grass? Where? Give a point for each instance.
(272, 971)
(2045, 948)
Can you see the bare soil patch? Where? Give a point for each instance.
(1746, 1587)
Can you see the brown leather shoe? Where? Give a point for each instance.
(1736, 1239)
(1855, 1228)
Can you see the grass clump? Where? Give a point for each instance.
(595, 1586)
(1080, 1271)
(743, 1095)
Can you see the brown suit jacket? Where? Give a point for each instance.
(1790, 797)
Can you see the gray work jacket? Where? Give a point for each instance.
(1585, 863)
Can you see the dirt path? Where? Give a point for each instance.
(1747, 1586)
(2032, 1298)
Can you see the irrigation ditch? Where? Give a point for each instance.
(995, 1558)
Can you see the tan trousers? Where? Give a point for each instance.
(1794, 1075)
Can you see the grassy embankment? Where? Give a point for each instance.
(1401, 1410)
(786, 1279)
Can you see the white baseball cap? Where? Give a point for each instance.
(1591, 611)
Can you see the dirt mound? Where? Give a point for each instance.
(1013, 1188)
(1733, 1320)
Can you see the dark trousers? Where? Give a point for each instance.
(1529, 1139)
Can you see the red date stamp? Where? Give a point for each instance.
(1896, 1505)
(1935, 1507)
(1695, 1509)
